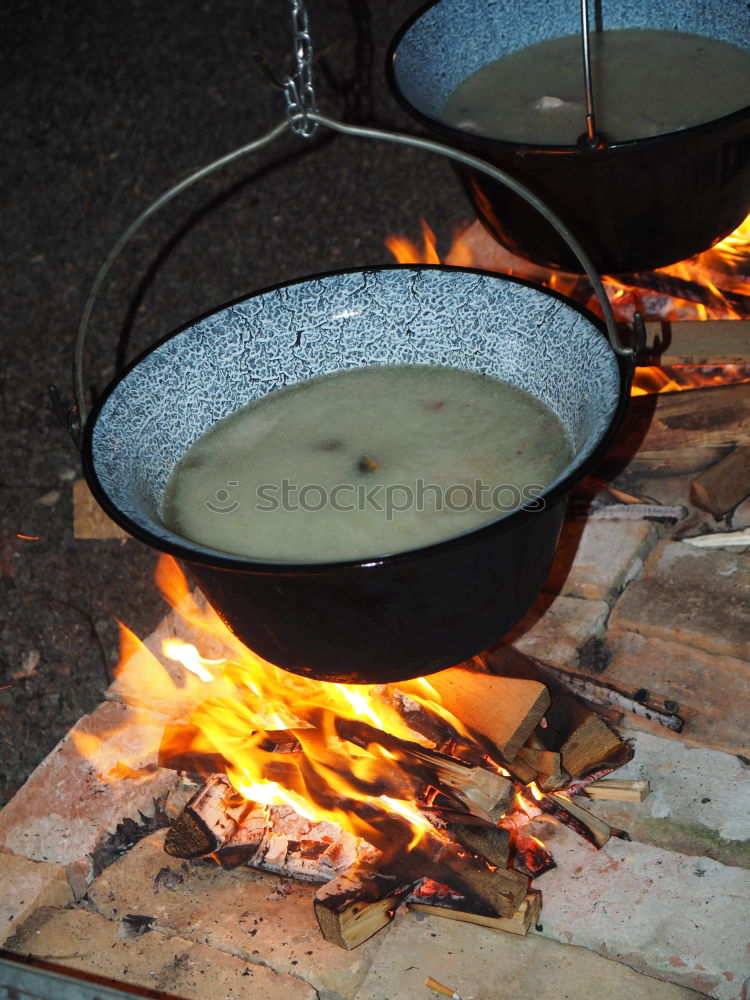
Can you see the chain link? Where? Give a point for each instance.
(298, 86)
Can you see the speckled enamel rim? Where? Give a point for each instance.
(492, 324)
(482, 32)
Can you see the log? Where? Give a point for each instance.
(676, 433)
(356, 904)
(482, 792)
(607, 695)
(720, 487)
(618, 790)
(502, 710)
(584, 741)
(209, 820)
(526, 914)
(551, 775)
(489, 842)
(696, 342)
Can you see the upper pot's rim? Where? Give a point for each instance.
(487, 144)
(224, 560)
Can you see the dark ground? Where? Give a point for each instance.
(103, 107)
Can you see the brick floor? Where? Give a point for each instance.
(677, 918)
(695, 597)
(25, 886)
(70, 808)
(596, 558)
(151, 962)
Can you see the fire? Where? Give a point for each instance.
(691, 291)
(249, 715)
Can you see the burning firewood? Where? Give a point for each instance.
(530, 856)
(356, 904)
(482, 792)
(503, 710)
(489, 842)
(585, 824)
(208, 821)
(446, 905)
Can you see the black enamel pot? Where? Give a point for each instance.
(635, 205)
(398, 615)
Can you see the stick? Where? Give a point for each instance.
(618, 790)
(526, 914)
(590, 827)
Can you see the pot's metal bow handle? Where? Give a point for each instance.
(304, 119)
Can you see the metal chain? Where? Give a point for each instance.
(298, 86)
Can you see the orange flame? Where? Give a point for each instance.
(727, 255)
(239, 707)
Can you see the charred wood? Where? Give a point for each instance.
(209, 820)
(356, 904)
(527, 912)
(569, 813)
(480, 791)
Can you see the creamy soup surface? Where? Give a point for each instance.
(365, 462)
(645, 81)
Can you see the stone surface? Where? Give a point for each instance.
(487, 964)
(691, 596)
(71, 806)
(26, 885)
(712, 690)
(677, 918)
(257, 917)
(151, 962)
(699, 802)
(556, 628)
(596, 558)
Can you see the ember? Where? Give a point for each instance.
(373, 792)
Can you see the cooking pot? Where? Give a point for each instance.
(398, 615)
(637, 204)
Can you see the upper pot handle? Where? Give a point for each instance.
(76, 418)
